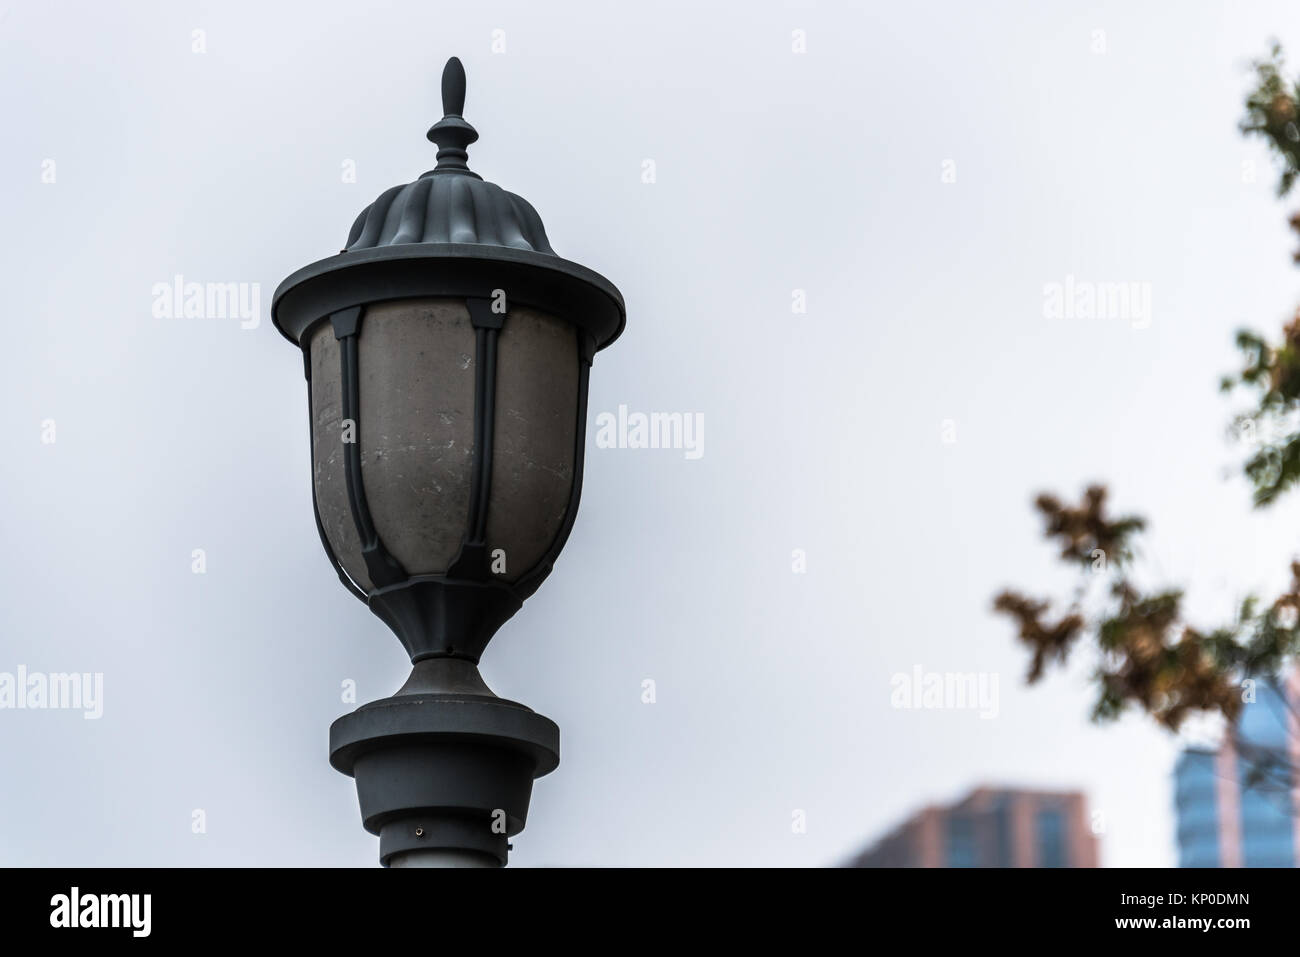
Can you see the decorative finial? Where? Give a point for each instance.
(453, 87)
(451, 133)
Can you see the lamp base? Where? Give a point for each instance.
(444, 766)
(436, 617)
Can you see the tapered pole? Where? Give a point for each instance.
(442, 858)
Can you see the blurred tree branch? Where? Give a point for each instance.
(1271, 371)
(1148, 656)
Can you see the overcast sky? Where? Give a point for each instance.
(894, 432)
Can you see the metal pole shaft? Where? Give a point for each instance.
(442, 857)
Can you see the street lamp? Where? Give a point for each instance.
(447, 352)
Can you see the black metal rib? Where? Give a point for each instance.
(471, 562)
(382, 567)
(476, 473)
(488, 415)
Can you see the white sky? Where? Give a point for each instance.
(775, 172)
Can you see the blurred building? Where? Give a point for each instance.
(992, 827)
(1237, 805)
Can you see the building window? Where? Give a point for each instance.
(961, 841)
(1002, 832)
(1266, 839)
(1051, 838)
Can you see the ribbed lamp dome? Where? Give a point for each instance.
(450, 208)
(450, 204)
(445, 230)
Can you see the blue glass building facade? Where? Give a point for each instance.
(1236, 806)
(1196, 803)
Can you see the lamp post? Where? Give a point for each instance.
(447, 352)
